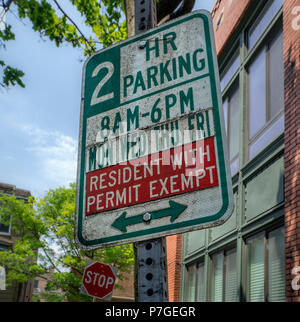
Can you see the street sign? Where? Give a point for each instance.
(152, 149)
(98, 280)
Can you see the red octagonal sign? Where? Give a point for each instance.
(98, 280)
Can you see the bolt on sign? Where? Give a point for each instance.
(152, 150)
(98, 280)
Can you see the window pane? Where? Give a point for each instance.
(217, 278)
(225, 111)
(230, 70)
(276, 280)
(4, 229)
(231, 110)
(234, 165)
(256, 269)
(267, 136)
(191, 283)
(230, 277)
(257, 93)
(234, 121)
(4, 247)
(263, 20)
(35, 284)
(276, 87)
(201, 283)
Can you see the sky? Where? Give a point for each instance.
(39, 124)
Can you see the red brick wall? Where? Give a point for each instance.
(291, 45)
(174, 244)
(229, 13)
(127, 290)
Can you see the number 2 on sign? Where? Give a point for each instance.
(110, 68)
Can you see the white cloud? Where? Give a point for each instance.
(56, 154)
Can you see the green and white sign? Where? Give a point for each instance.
(152, 147)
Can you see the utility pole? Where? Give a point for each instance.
(151, 257)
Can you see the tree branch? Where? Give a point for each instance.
(50, 259)
(74, 24)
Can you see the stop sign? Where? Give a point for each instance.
(98, 280)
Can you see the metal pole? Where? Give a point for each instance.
(151, 254)
(152, 271)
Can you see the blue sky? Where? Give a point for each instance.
(39, 125)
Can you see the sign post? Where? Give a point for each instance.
(153, 157)
(151, 255)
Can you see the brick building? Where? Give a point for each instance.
(17, 292)
(252, 255)
(173, 245)
(126, 292)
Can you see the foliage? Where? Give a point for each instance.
(44, 232)
(48, 297)
(105, 19)
(35, 298)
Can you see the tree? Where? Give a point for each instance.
(103, 17)
(44, 232)
(106, 19)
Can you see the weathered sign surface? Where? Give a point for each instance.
(152, 150)
(98, 280)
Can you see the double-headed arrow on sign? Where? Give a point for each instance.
(173, 211)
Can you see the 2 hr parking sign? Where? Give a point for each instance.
(152, 148)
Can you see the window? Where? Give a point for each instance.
(265, 267)
(191, 283)
(230, 276)
(195, 286)
(276, 72)
(217, 278)
(231, 108)
(256, 271)
(4, 229)
(263, 20)
(276, 278)
(223, 276)
(261, 71)
(266, 94)
(257, 94)
(35, 284)
(230, 69)
(4, 247)
(200, 282)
